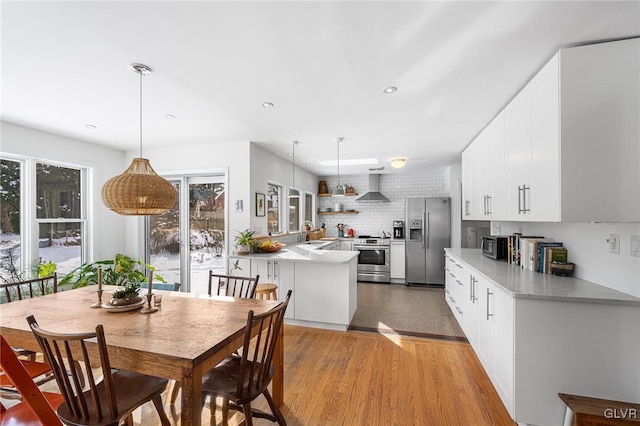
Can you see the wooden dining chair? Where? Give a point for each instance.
(241, 379)
(107, 402)
(20, 290)
(232, 285)
(225, 285)
(36, 408)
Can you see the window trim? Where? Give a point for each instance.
(281, 211)
(30, 223)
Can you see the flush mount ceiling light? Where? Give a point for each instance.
(267, 104)
(398, 163)
(338, 191)
(390, 89)
(139, 190)
(293, 192)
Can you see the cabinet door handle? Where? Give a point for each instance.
(489, 203)
(519, 200)
(466, 207)
(488, 294)
(275, 275)
(471, 287)
(525, 188)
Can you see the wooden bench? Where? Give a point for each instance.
(587, 411)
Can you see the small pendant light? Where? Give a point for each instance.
(338, 191)
(293, 192)
(139, 190)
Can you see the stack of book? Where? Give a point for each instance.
(535, 253)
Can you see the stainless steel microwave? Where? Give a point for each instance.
(495, 246)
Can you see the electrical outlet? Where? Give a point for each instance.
(635, 245)
(614, 243)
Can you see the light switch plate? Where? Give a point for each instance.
(614, 243)
(635, 245)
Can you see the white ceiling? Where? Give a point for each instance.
(323, 64)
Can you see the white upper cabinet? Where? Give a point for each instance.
(571, 142)
(484, 175)
(532, 146)
(471, 185)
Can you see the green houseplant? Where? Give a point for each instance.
(123, 271)
(245, 241)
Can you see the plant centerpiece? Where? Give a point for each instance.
(123, 271)
(245, 242)
(126, 295)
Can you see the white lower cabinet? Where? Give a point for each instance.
(397, 260)
(501, 370)
(346, 245)
(532, 348)
(455, 288)
(280, 273)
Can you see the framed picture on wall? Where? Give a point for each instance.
(260, 204)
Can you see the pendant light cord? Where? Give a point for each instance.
(293, 155)
(141, 74)
(338, 143)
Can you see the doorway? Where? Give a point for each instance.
(190, 239)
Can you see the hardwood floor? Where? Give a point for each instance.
(359, 378)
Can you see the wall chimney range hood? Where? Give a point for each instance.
(373, 195)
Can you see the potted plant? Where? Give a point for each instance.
(122, 271)
(245, 241)
(126, 295)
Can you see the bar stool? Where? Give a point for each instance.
(266, 291)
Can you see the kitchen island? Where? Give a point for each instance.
(324, 282)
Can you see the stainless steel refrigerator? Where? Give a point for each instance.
(428, 223)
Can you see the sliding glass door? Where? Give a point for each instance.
(190, 239)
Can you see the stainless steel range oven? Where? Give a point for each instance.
(373, 259)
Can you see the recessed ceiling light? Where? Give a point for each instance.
(267, 104)
(90, 126)
(352, 162)
(169, 116)
(390, 89)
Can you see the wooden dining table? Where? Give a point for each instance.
(184, 339)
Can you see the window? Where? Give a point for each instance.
(294, 213)
(10, 217)
(308, 207)
(55, 230)
(273, 208)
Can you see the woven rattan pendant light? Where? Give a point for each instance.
(139, 190)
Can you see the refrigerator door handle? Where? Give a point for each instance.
(426, 235)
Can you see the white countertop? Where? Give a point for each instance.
(533, 285)
(303, 253)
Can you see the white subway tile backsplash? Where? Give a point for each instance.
(373, 218)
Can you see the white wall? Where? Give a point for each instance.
(589, 250)
(267, 167)
(108, 227)
(453, 190)
(373, 218)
